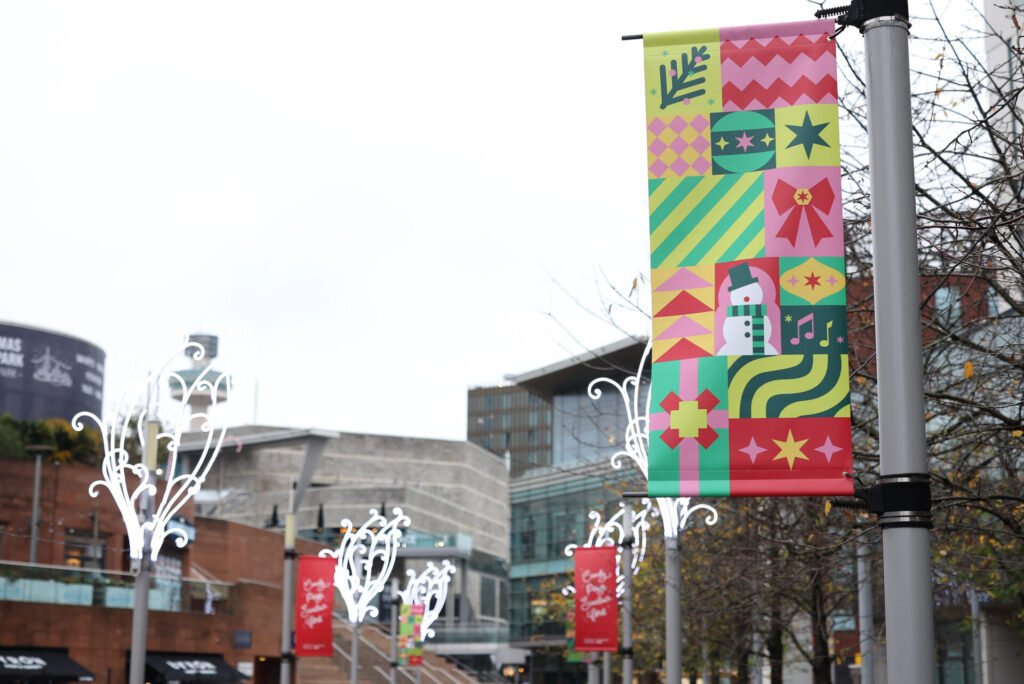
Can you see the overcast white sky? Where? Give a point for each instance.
(371, 203)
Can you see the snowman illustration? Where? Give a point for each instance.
(747, 328)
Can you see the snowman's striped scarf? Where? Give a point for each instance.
(757, 312)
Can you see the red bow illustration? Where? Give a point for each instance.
(800, 202)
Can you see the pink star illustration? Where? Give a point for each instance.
(840, 339)
(832, 280)
(793, 281)
(828, 449)
(745, 141)
(752, 450)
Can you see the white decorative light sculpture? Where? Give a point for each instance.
(430, 589)
(365, 559)
(613, 533)
(117, 467)
(675, 512)
(145, 517)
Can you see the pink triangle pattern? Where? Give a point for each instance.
(683, 279)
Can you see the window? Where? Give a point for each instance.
(947, 307)
(84, 552)
(994, 302)
(488, 602)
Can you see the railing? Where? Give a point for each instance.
(473, 633)
(71, 586)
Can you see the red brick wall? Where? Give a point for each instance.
(65, 507)
(861, 313)
(99, 638)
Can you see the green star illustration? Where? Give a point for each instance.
(664, 53)
(711, 100)
(807, 134)
(654, 91)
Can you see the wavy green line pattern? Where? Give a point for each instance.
(789, 386)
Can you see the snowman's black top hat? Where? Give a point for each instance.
(740, 276)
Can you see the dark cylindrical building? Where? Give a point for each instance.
(46, 374)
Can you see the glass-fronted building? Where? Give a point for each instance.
(552, 492)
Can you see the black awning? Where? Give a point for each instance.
(40, 664)
(193, 667)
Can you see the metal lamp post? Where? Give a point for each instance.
(365, 560)
(621, 530)
(146, 511)
(675, 512)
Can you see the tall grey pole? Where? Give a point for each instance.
(593, 671)
(34, 525)
(627, 597)
(395, 602)
(606, 667)
(354, 671)
(288, 592)
(140, 601)
(910, 635)
(865, 614)
(673, 630)
(976, 625)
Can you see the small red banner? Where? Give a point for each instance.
(314, 603)
(597, 608)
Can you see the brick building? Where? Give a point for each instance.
(220, 596)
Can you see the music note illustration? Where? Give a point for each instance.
(828, 331)
(809, 335)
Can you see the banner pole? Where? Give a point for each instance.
(866, 612)
(673, 627)
(354, 673)
(395, 601)
(288, 591)
(627, 596)
(902, 449)
(606, 668)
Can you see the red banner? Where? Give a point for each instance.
(597, 608)
(314, 603)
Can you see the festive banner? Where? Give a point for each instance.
(750, 382)
(314, 603)
(596, 606)
(410, 634)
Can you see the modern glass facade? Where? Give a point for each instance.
(544, 520)
(513, 420)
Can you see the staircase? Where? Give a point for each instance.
(374, 662)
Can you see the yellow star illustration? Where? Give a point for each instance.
(767, 139)
(790, 450)
(722, 144)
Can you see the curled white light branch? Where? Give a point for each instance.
(674, 512)
(366, 558)
(612, 532)
(117, 467)
(430, 589)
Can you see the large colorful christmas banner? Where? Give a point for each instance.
(596, 605)
(750, 382)
(314, 604)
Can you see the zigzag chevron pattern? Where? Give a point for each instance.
(760, 49)
(789, 386)
(771, 73)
